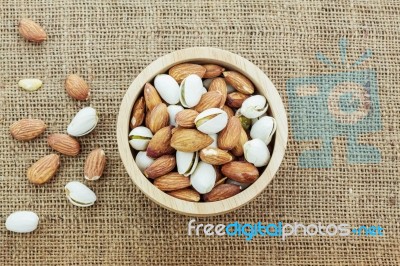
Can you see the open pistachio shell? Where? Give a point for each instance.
(256, 152)
(83, 122)
(211, 121)
(254, 106)
(264, 129)
(191, 90)
(167, 87)
(139, 138)
(203, 178)
(79, 194)
(186, 162)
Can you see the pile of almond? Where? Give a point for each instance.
(200, 133)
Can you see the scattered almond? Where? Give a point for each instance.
(208, 100)
(186, 118)
(185, 194)
(160, 144)
(44, 169)
(31, 31)
(27, 129)
(239, 82)
(240, 171)
(172, 181)
(160, 166)
(94, 164)
(213, 71)
(64, 144)
(190, 140)
(181, 71)
(221, 192)
(228, 138)
(77, 88)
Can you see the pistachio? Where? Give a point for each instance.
(173, 110)
(79, 194)
(256, 152)
(140, 137)
(186, 162)
(30, 84)
(83, 122)
(264, 129)
(168, 88)
(191, 90)
(254, 106)
(203, 178)
(22, 222)
(245, 122)
(211, 121)
(143, 161)
(206, 83)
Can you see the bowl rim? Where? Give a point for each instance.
(231, 61)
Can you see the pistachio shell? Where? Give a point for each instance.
(83, 122)
(172, 111)
(139, 138)
(211, 121)
(30, 84)
(191, 90)
(186, 162)
(143, 161)
(203, 178)
(168, 88)
(207, 82)
(22, 222)
(264, 129)
(79, 194)
(254, 106)
(256, 152)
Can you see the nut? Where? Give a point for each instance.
(77, 87)
(228, 111)
(83, 123)
(203, 178)
(186, 162)
(27, 129)
(254, 106)
(240, 171)
(44, 169)
(143, 161)
(229, 136)
(138, 113)
(181, 71)
(79, 194)
(64, 144)
(30, 84)
(185, 194)
(22, 222)
(190, 140)
(264, 129)
(238, 149)
(222, 192)
(185, 118)
(31, 31)
(159, 118)
(219, 85)
(168, 88)
(256, 152)
(236, 99)
(94, 164)
(208, 100)
(215, 156)
(139, 138)
(239, 82)
(211, 121)
(212, 71)
(191, 90)
(172, 181)
(160, 144)
(160, 167)
(151, 96)
(173, 110)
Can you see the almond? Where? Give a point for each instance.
(213, 71)
(172, 181)
(44, 169)
(219, 85)
(185, 194)
(77, 87)
(215, 156)
(240, 171)
(208, 100)
(159, 117)
(236, 99)
(64, 144)
(228, 138)
(239, 82)
(190, 140)
(151, 96)
(160, 144)
(160, 166)
(27, 129)
(186, 118)
(228, 111)
(221, 192)
(181, 71)
(31, 31)
(238, 149)
(94, 164)
(220, 181)
(138, 113)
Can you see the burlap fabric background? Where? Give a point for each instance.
(109, 43)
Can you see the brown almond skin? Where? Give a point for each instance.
(160, 166)
(172, 181)
(185, 118)
(31, 31)
(138, 113)
(212, 71)
(190, 140)
(221, 192)
(44, 169)
(181, 71)
(228, 138)
(240, 171)
(238, 149)
(219, 85)
(64, 144)
(27, 129)
(95, 164)
(185, 194)
(236, 99)
(239, 82)
(77, 87)
(159, 118)
(228, 111)
(151, 96)
(208, 100)
(215, 156)
(160, 143)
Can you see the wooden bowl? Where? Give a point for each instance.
(232, 62)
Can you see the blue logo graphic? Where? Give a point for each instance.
(340, 104)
